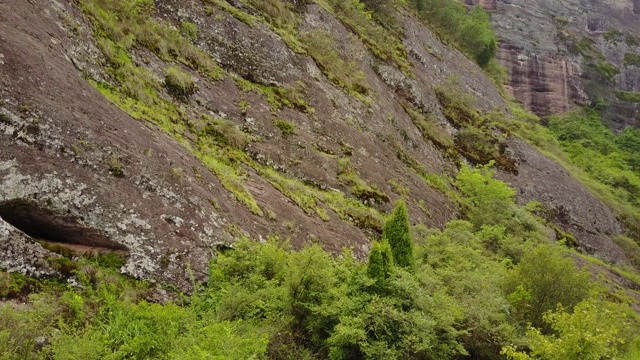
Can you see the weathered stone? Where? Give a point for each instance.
(548, 72)
(20, 253)
(567, 202)
(543, 82)
(60, 139)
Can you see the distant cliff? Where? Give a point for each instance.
(563, 53)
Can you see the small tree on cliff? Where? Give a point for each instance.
(380, 261)
(397, 232)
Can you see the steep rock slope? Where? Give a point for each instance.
(561, 53)
(267, 144)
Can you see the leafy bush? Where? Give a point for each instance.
(595, 330)
(396, 231)
(380, 261)
(489, 201)
(550, 279)
(264, 300)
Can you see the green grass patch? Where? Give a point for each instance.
(278, 97)
(383, 44)
(399, 189)
(628, 96)
(286, 128)
(348, 176)
(131, 22)
(606, 163)
(179, 83)
(320, 45)
(430, 129)
(231, 176)
(631, 59)
(189, 30)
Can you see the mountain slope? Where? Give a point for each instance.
(166, 130)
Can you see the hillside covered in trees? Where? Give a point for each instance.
(272, 179)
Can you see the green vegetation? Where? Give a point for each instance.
(479, 138)
(461, 299)
(604, 162)
(360, 188)
(121, 25)
(179, 83)
(613, 35)
(595, 330)
(383, 44)
(607, 70)
(612, 160)
(476, 288)
(189, 30)
(632, 40)
(320, 45)
(233, 11)
(397, 232)
(287, 128)
(399, 189)
(470, 31)
(278, 97)
(380, 265)
(539, 289)
(563, 21)
(586, 48)
(631, 59)
(430, 129)
(282, 17)
(597, 67)
(115, 167)
(628, 96)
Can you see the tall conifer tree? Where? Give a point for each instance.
(380, 261)
(397, 232)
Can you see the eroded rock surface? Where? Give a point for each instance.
(555, 51)
(92, 175)
(21, 254)
(574, 209)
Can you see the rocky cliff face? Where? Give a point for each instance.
(561, 53)
(272, 146)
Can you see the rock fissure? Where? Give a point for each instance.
(44, 224)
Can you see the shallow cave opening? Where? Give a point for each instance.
(46, 225)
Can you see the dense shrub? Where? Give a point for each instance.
(549, 279)
(380, 261)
